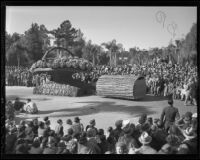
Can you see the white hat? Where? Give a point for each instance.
(145, 138)
(194, 115)
(125, 123)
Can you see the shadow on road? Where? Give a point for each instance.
(95, 107)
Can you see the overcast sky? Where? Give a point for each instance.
(144, 27)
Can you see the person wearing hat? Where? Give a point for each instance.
(189, 145)
(145, 140)
(171, 147)
(91, 126)
(169, 115)
(67, 126)
(77, 126)
(59, 128)
(118, 130)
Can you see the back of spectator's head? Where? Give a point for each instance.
(100, 132)
(17, 99)
(69, 121)
(77, 119)
(41, 124)
(83, 138)
(118, 123)
(28, 100)
(170, 101)
(46, 119)
(142, 118)
(47, 122)
(173, 140)
(92, 122)
(146, 127)
(30, 123)
(91, 133)
(110, 129)
(70, 131)
(59, 121)
(36, 142)
(150, 120)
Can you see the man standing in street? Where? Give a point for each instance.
(169, 115)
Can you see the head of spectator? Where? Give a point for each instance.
(47, 123)
(30, 124)
(150, 120)
(92, 122)
(77, 119)
(70, 131)
(91, 133)
(22, 123)
(146, 127)
(46, 119)
(41, 124)
(60, 122)
(189, 133)
(187, 117)
(170, 102)
(142, 118)
(121, 148)
(83, 138)
(69, 122)
(35, 121)
(118, 124)
(145, 139)
(28, 100)
(173, 140)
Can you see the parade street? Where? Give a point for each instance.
(104, 110)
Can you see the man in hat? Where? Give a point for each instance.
(169, 115)
(189, 145)
(77, 126)
(145, 140)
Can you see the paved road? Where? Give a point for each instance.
(104, 110)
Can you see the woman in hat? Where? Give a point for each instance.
(145, 140)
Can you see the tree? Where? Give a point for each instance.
(113, 48)
(16, 52)
(65, 34)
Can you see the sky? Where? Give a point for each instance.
(143, 27)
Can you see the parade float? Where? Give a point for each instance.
(60, 65)
(121, 86)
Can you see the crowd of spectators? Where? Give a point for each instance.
(174, 135)
(18, 76)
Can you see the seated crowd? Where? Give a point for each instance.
(147, 136)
